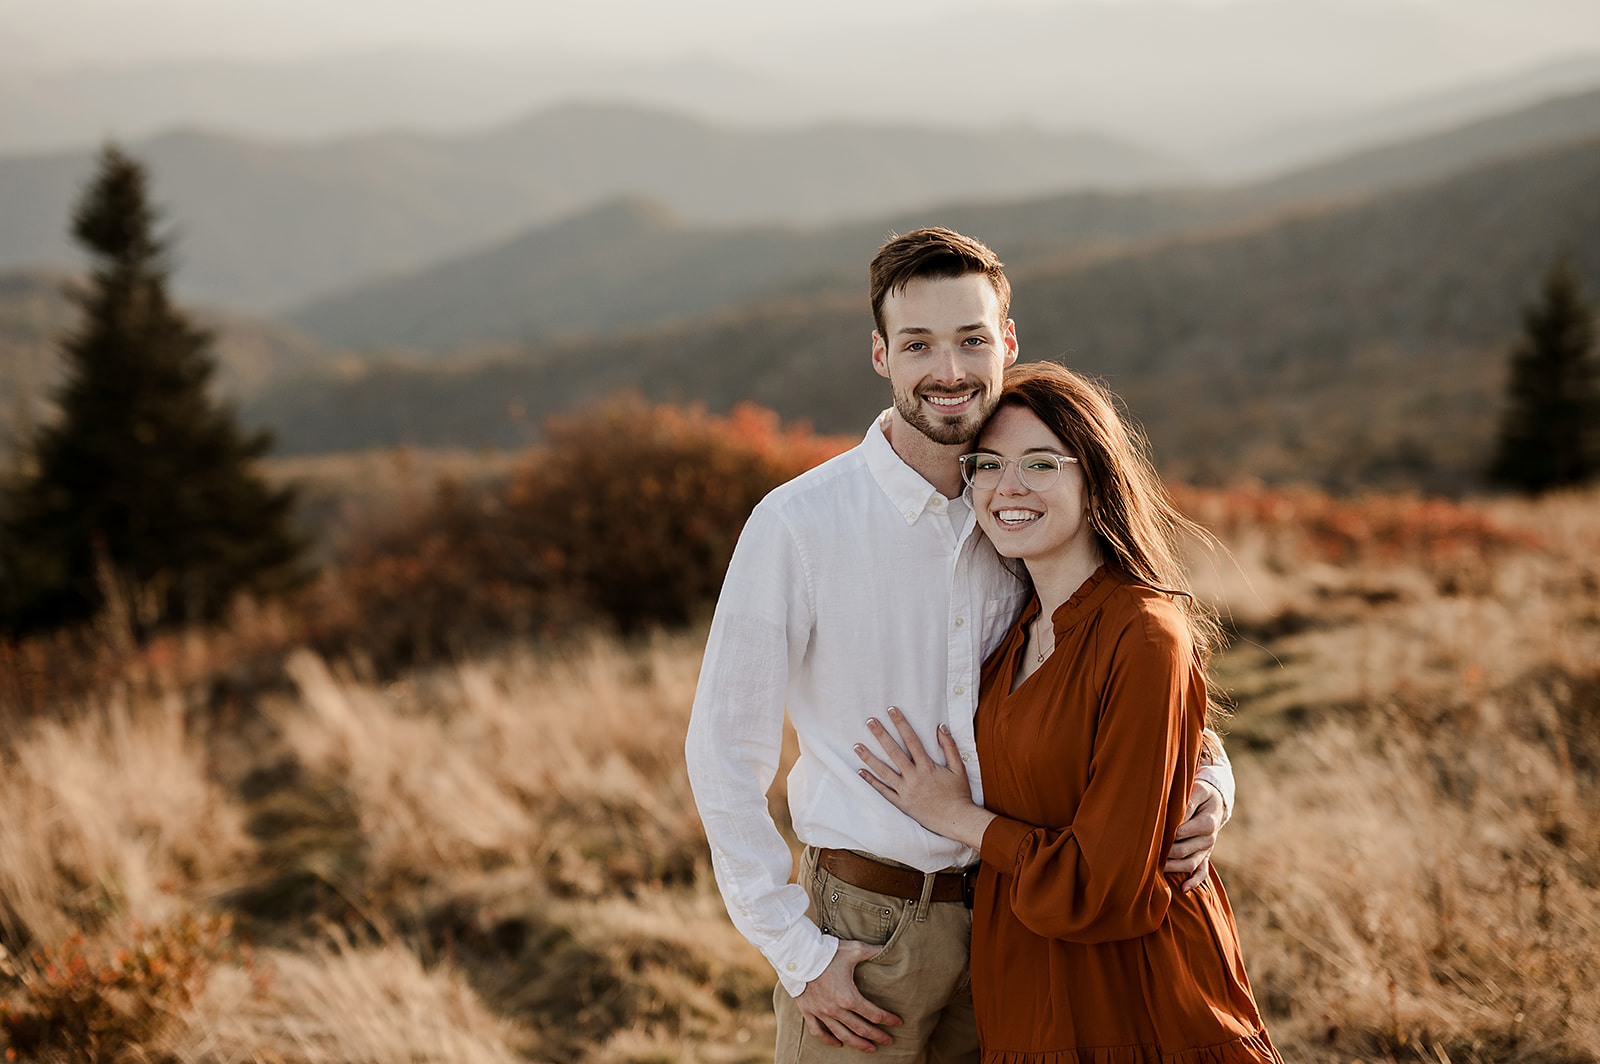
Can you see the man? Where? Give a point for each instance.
(860, 585)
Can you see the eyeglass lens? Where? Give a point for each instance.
(1036, 471)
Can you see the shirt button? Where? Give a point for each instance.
(789, 966)
(911, 515)
(937, 502)
(960, 622)
(966, 757)
(961, 690)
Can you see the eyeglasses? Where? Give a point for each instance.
(1037, 471)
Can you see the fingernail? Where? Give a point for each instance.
(872, 722)
(858, 748)
(944, 728)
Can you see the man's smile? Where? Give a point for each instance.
(949, 401)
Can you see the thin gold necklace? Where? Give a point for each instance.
(1039, 641)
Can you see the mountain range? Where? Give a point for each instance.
(1353, 342)
(1348, 323)
(270, 227)
(264, 226)
(629, 264)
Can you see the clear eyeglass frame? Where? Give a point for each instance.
(1038, 470)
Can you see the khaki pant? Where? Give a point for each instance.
(922, 975)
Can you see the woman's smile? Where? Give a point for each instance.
(1014, 518)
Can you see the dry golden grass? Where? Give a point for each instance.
(500, 860)
(1414, 858)
(338, 1002)
(111, 816)
(568, 764)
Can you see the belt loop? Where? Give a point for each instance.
(928, 879)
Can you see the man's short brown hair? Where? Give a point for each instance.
(933, 252)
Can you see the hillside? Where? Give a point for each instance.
(625, 263)
(498, 859)
(35, 312)
(623, 266)
(1310, 141)
(375, 228)
(630, 264)
(1565, 119)
(266, 226)
(1351, 344)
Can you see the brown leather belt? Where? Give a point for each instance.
(906, 883)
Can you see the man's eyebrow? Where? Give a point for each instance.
(920, 330)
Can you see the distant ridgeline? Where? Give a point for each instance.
(267, 225)
(1352, 342)
(1347, 324)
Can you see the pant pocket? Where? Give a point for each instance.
(849, 912)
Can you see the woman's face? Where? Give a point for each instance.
(1038, 525)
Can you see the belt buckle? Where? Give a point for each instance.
(969, 885)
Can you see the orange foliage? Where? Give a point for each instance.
(626, 516)
(1376, 528)
(77, 1006)
(636, 509)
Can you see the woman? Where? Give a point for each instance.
(1088, 732)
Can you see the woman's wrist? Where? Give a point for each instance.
(969, 824)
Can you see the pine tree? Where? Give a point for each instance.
(1550, 432)
(143, 493)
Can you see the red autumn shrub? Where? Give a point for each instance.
(626, 516)
(1310, 525)
(432, 583)
(635, 509)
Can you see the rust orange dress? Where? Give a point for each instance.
(1083, 951)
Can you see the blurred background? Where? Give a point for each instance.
(1294, 235)
(392, 773)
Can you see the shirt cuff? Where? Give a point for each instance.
(801, 955)
(1219, 776)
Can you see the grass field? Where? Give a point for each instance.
(499, 860)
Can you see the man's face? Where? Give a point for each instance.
(945, 352)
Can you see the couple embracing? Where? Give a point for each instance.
(981, 629)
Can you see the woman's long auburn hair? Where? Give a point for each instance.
(1135, 524)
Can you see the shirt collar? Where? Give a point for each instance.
(905, 488)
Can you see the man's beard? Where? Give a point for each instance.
(958, 428)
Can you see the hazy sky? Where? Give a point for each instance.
(1192, 76)
(1472, 34)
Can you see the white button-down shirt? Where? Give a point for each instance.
(853, 588)
(850, 591)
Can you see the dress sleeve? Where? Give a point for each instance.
(1099, 878)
